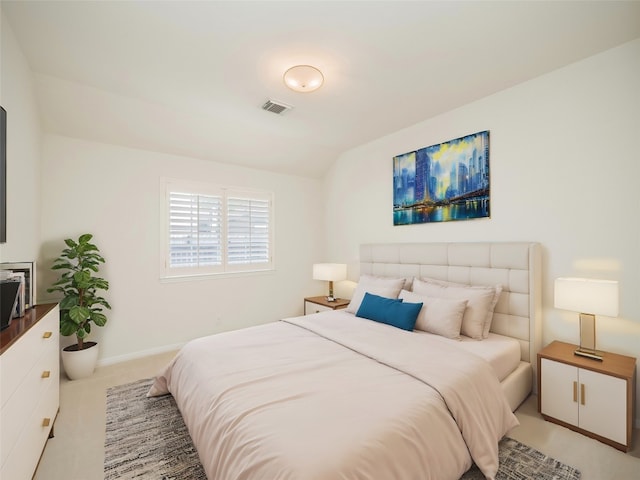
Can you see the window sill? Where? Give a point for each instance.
(213, 276)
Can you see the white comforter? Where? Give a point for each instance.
(332, 396)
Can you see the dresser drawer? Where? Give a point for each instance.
(16, 362)
(21, 464)
(22, 403)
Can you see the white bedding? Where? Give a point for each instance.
(502, 353)
(333, 396)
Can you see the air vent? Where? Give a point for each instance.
(278, 108)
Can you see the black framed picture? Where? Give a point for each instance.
(3, 175)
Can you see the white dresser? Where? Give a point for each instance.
(29, 389)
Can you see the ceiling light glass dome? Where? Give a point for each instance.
(303, 78)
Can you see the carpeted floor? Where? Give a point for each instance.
(146, 438)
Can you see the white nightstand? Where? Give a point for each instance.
(595, 398)
(321, 304)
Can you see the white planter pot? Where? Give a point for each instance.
(81, 363)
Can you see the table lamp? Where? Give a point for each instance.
(333, 272)
(590, 298)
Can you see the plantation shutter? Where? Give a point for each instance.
(248, 230)
(195, 230)
(211, 229)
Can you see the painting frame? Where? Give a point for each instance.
(448, 181)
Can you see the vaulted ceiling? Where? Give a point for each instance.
(190, 77)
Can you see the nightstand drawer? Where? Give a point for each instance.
(310, 308)
(321, 304)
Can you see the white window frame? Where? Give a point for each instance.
(169, 185)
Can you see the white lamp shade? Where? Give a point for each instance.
(597, 297)
(333, 272)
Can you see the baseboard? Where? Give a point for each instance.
(103, 362)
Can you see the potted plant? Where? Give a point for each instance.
(81, 303)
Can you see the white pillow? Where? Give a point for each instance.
(442, 316)
(481, 301)
(497, 288)
(384, 286)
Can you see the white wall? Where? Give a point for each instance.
(17, 96)
(565, 167)
(114, 193)
(60, 187)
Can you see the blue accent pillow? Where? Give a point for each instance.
(389, 310)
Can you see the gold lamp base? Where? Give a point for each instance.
(588, 337)
(330, 297)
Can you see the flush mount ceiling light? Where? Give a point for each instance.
(303, 78)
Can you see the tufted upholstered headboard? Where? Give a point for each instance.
(514, 265)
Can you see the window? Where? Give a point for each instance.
(211, 229)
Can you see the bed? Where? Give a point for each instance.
(337, 395)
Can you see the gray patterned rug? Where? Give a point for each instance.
(147, 439)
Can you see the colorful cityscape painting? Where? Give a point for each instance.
(444, 182)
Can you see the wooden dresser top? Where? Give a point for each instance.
(19, 326)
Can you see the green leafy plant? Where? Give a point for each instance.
(81, 304)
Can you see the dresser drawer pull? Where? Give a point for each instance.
(47, 334)
(46, 374)
(575, 391)
(582, 395)
(46, 422)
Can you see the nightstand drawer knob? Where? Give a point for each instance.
(47, 334)
(46, 422)
(46, 374)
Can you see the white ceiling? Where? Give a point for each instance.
(190, 78)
